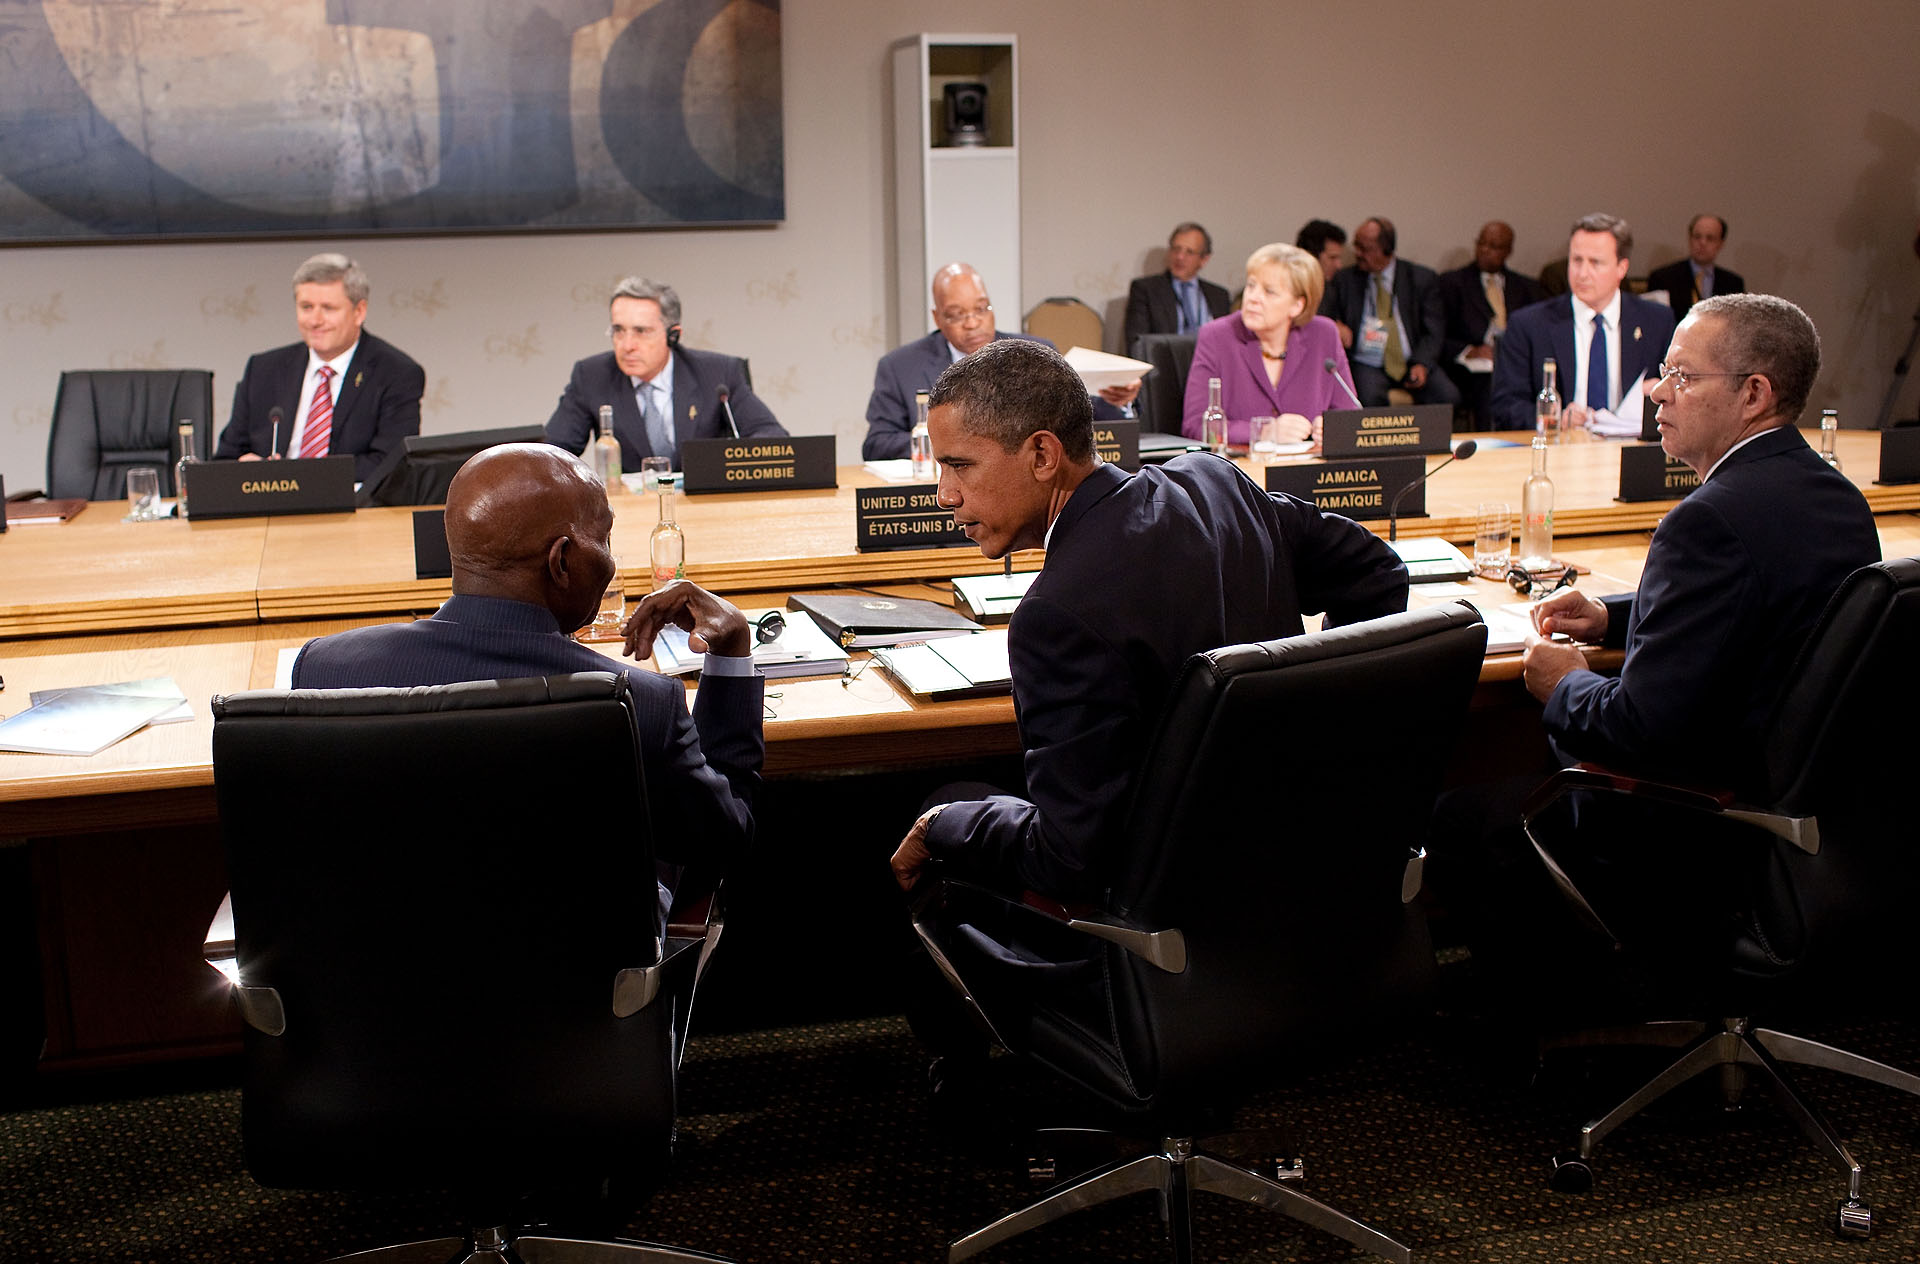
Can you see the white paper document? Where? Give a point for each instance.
(1100, 370)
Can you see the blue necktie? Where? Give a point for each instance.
(659, 435)
(1597, 365)
(1189, 307)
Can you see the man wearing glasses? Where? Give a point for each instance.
(963, 320)
(661, 392)
(1601, 339)
(1736, 576)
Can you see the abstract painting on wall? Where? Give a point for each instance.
(146, 119)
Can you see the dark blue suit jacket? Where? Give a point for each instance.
(903, 373)
(1142, 572)
(702, 770)
(697, 379)
(378, 406)
(1545, 332)
(1677, 280)
(1736, 577)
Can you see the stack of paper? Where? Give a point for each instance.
(802, 650)
(88, 719)
(952, 667)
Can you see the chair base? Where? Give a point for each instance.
(501, 1244)
(1174, 1172)
(1737, 1050)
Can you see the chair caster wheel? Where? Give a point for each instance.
(1571, 1175)
(1854, 1220)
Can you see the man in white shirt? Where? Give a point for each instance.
(339, 391)
(1602, 339)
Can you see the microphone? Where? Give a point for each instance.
(726, 410)
(276, 415)
(1466, 449)
(1333, 371)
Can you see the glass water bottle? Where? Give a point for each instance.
(1213, 422)
(605, 451)
(667, 545)
(1536, 508)
(1546, 405)
(920, 443)
(1829, 435)
(180, 467)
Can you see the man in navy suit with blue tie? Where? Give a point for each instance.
(1601, 338)
(660, 391)
(1176, 301)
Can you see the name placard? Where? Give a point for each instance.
(431, 559)
(771, 463)
(1372, 432)
(1648, 473)
(1355, 489)
(247, 489)
(1118, 443)
(1899, 456)
(907, 516)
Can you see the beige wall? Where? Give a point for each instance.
(1800, 124)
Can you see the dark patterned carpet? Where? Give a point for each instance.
(814, 1144)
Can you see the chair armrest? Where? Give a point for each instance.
(1165, 949)
(636, 987)
(1802, 832)
(260, 1007)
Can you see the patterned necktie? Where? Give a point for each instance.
(319, 431)
(1393, 357)
(1496, 299)
(659, 436)
(1597, 365)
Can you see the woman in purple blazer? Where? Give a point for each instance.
(1271, 355)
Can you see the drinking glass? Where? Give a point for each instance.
(653, 469)
(143, 494)
(1263, 440)
(1493, 539)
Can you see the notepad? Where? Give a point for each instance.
(954, 667)
(81, 722)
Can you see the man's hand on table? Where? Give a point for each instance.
(713, 624)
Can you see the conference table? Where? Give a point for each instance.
(125, 861)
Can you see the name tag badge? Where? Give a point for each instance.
(1373, 335)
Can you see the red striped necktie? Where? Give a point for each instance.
(313, 442)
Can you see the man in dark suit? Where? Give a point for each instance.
(660, 391)
(1596, 317)
(1390, 320)
(338, 392)
(1696, 277)
(1735, 579)
(527, 529)
(1176, 301)
(963, 323)
(1476, 302)
(1093, 649)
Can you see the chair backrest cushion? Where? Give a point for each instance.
(105, 421)
(1287, 786)
(1066, 322)
(1164, 392)
(442, 883)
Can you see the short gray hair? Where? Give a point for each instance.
(653, 292)
(1760, 333)
(328, 267)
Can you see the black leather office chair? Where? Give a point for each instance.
(1163, 394)
(446, 952)
(1819, 865)
(1241, 925)
(105, 420)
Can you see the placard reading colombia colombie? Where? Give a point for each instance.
(1355, 489)
(905, 517)
(1648, 473)
(1421, 428)
(772, 463)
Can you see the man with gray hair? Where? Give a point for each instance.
(661, 392)
(339, 391)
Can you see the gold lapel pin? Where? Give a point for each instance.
(358, 376)
(1636, 333)
(693, 410)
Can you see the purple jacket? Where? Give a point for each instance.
(1226, 349)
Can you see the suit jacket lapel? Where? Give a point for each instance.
(688, 398)
(357, 370)
(1167, 298)
(1632, 343)
(1564, 354)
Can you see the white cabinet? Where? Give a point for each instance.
(955, 201)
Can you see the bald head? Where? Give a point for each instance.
(529, 522)
(961, 308)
